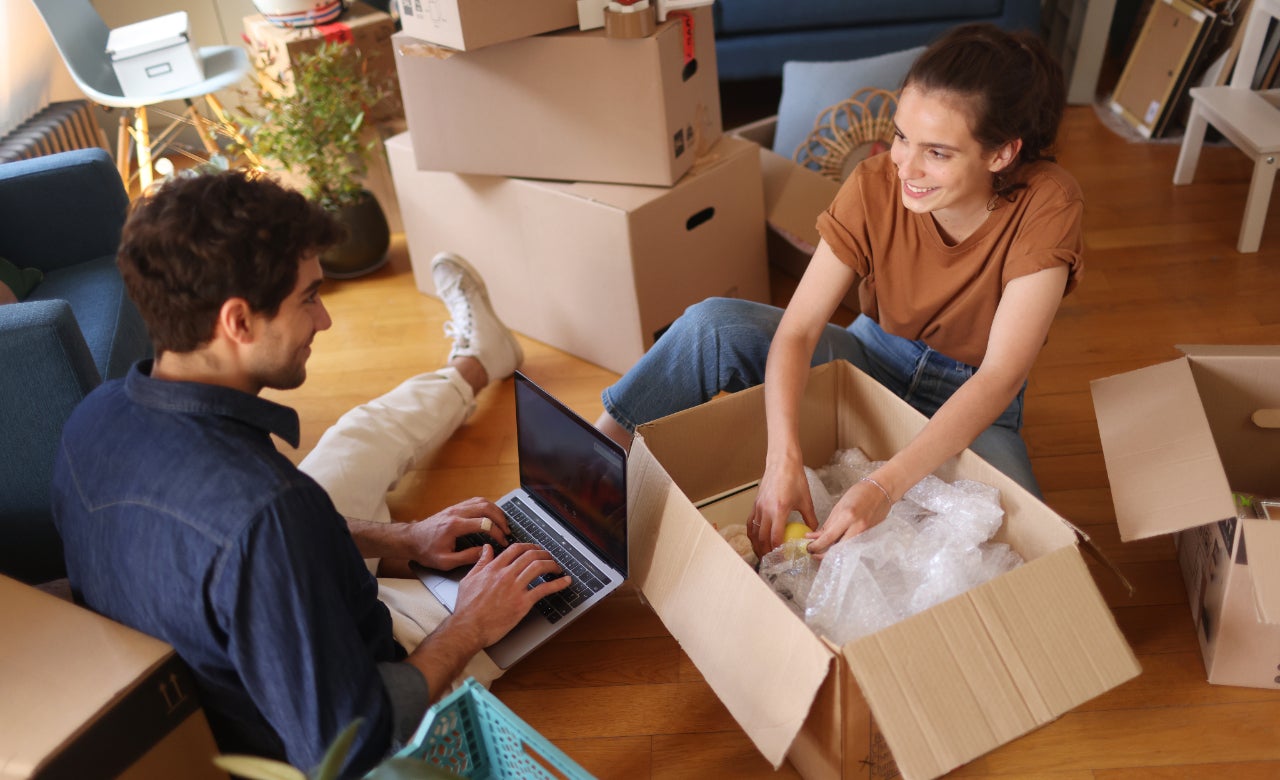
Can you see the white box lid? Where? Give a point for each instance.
(149, 35)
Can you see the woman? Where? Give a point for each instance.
(963, 239)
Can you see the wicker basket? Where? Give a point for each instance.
(472, 734)
(848, 132)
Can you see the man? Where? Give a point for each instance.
(180, 518)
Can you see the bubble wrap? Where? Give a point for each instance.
(789, 570)
(934, 544)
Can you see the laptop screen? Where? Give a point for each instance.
(573, 470)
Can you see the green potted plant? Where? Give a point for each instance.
(330, 768)
(314, 125)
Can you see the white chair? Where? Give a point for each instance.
(1248, 118)
(80, 36)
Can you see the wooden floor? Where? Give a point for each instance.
(616, 692)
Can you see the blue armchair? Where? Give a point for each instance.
(62, 214)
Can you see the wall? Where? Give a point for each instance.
(213, 22)
(31, 72)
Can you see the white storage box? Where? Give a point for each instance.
(155, 56)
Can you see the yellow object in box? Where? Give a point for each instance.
(794, 531)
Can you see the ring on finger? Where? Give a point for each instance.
(485, 525)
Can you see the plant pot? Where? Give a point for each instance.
(300, 13)
(368, 237)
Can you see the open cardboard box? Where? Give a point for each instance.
(1178, 438)
(944, 686)
(84, 696)
(794, 196)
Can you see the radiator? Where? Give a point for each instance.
(58, 127)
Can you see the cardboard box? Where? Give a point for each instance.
(87, 697)
(1178, 438)
(574, 106)
(466, 25)
(794, 196)
(944, 686)
(596, 270)
(275, 50)
(155, 56)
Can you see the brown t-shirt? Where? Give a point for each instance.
(917, 287)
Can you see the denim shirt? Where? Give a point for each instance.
(181, 519)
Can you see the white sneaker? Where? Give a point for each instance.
(474, 327)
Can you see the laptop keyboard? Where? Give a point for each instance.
(587, 579)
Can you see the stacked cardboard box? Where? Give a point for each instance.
(276, 49)
(584, 175)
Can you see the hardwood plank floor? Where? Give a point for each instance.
(617, 693)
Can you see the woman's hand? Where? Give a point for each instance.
(862, 506)
(783, 489)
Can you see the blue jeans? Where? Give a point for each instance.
(721, 344)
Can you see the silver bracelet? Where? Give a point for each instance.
(887, 497)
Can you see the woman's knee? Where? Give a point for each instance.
(712, 313)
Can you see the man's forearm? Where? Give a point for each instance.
(443, 655)
(377, 540)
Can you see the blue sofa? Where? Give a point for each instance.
(755, 37)
(62, 214)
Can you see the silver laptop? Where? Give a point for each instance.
(572, 501)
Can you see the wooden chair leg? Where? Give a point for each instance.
(142, 140)
(124, 149)
(1255, 207)
(1192, 141)
(201, 124)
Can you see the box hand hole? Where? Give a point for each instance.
(699, 218)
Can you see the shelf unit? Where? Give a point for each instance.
(1076, 31)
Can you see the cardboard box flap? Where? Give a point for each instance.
(763, 663)
(794, 195)
(60, 701)
(1262, 540)
(1229, 350)
(969, 675)
(1235, 383)
(1095, 552)
(1161, 459)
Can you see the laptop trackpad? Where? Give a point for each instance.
(444, 584)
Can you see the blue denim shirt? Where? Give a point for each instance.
(181, 519)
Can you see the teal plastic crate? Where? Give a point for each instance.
(472, 734)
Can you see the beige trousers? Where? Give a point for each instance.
(365, 454)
